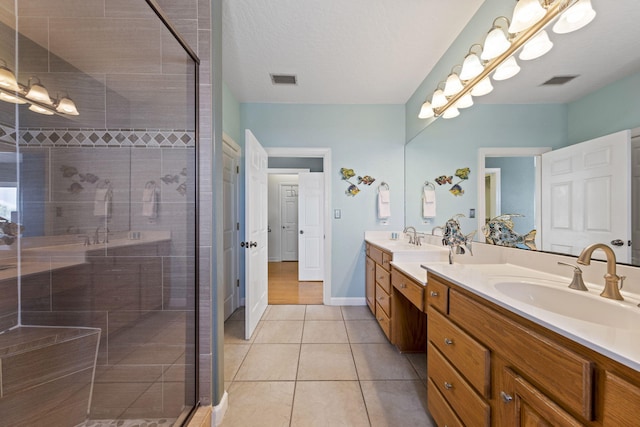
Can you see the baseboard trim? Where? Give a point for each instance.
(219, 410)
(349, 301)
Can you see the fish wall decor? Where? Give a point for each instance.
(499, 231)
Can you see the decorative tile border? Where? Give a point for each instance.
(7, 133)
(107, 138)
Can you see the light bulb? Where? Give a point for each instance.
(525, 14)
(575, 17)
(426, 111)
(438, 100)
(471, 67)
(450, 113)
(536, 47)
(495, 44)
(482, 88)
(507, 69)
(453, 85)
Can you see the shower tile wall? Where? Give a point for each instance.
(128, 81)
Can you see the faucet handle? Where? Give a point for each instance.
(622, 281)
(576, 283)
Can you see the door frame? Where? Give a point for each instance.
(325, 154)
(229, 142)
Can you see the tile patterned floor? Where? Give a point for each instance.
(317, 365)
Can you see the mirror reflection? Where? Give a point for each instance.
(521, 112)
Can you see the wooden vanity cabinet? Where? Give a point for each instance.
(526, 374)
(378, 287)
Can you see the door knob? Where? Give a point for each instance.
(617, 242)
(301, 231)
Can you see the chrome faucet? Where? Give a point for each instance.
(611, 279)
(413, 238)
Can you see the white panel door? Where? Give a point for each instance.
(231, 155)
(311, 226)
(635, 200)
(289, 221)
(586, 196)
(255, 244)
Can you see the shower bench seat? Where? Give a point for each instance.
(46, 375)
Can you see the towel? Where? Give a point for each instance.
(384, 204)
(428, 203)
(150, 202)
(102, 202)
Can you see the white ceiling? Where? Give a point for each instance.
(379, 51)
(342, 51)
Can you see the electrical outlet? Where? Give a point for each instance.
(472, 213)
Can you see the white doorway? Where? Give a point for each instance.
(283, 214)
(231, 153)
(325, 207)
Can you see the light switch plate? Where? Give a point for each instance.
(337, 214)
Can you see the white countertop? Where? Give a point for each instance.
(619, 343)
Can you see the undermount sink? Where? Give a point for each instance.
(580, 305)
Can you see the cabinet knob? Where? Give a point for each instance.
(434, 293)
(403, 285)
(506, 397)
(448, 386)
(447, 341)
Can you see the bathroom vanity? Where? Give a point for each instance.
(510, 345)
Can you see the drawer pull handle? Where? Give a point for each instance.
(448, 386)
(447, 341)
(403, 285)
(434, 294)
(506, 397)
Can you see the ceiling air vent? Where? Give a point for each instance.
(558, 80)
(284, 79)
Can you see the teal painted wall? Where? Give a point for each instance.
(230, 114)
(447, 145)
(366, 138)
(613, 108)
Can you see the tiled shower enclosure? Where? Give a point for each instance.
(97, 215)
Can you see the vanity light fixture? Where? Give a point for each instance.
(34, 93)
(453, 84)
(501, 43)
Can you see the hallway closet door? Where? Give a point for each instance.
(311, 225)
(289, 221)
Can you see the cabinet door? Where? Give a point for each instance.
(621, 402)
(530, 407)
(370, 284)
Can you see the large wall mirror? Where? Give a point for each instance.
(523, 113)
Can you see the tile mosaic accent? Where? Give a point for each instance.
(7, 133)
(107, 138)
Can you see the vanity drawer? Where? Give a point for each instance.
(380, 257)
(440, 409)
(557, 371)
(413, 291)
(437, 294)
(472, 359)
(384, 321)
(383, 300)
(468, 405)
(383, 278)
